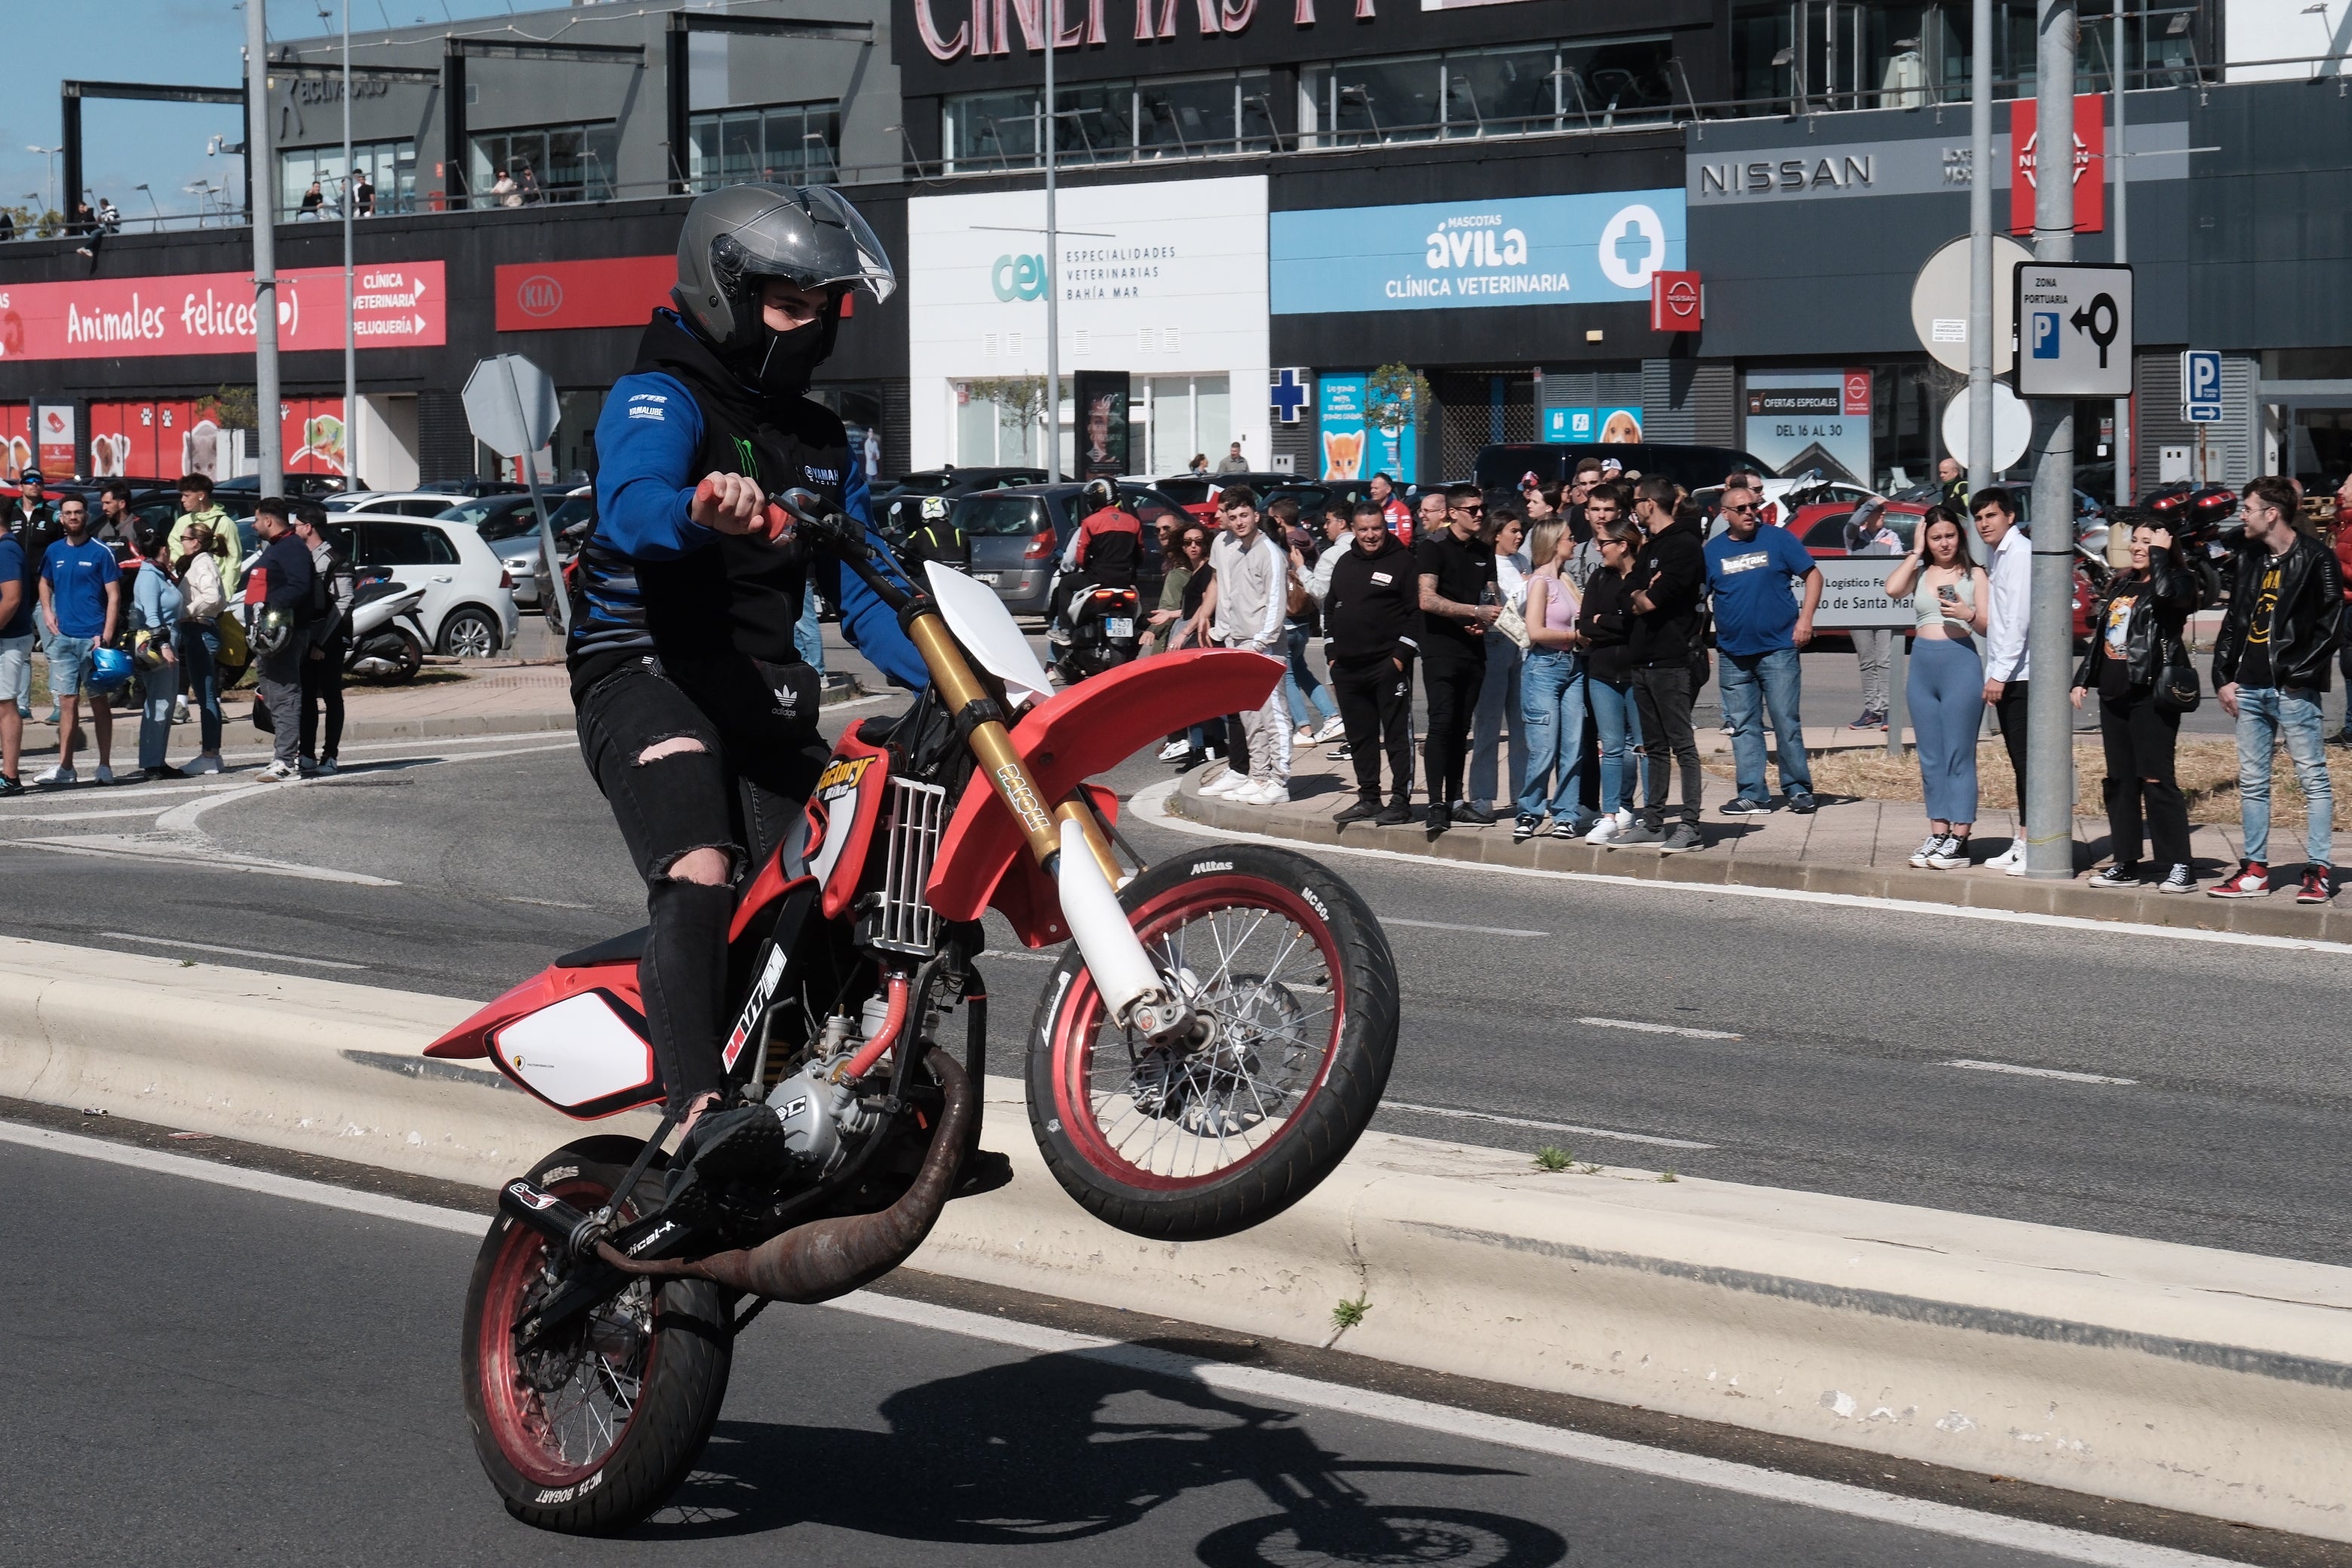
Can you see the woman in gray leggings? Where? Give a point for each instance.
(1949, 596)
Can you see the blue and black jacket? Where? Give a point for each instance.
(652, 581)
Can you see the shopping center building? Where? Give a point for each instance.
(1259, 207)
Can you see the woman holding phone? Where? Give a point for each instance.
(1949, 599)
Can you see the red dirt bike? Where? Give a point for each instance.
(1214, 1042)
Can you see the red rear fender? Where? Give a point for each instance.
(1065, 740)
(549, 986)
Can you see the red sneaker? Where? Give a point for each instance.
(2318, 885)
(2252, 881)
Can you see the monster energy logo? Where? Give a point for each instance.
(748, 457)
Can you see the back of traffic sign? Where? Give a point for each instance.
(511, 405)
(1939, 301)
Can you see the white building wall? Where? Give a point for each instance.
(2286, 30)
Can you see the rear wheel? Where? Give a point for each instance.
(1297, 980)
(592, 1429)
(469, 633)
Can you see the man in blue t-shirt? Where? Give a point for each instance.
(81, 606)
(16, 657)
(1758, 627)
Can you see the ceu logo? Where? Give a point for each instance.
(1632, 246)
(538, 295)
(1018, 278)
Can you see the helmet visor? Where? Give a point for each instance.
(809, 237)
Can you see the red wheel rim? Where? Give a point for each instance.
(551, 1439)
(1189, 1123)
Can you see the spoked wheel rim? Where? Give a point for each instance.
(561, 1410)
(1260, 960)
(471, 638)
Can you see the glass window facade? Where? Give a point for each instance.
(1112, 121)
(1510, 90)
(546, 163)
(389, 166)
(786, 144)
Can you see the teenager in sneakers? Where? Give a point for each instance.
(1372, 632)
(1949, 599)
(156, 602)
(1456, 566)
(2271, 673)
(1498, 688)
(1669, 579)
(197, 508)
(2009, 662)
(1244, 608)
(1551, 690)
(16, 596)
(2135, 634)
(1759, 627)
(1605, 622)
(81, 609)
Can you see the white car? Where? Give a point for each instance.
(468, 609)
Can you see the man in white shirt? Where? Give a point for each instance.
(1245, 608)
(2008, 660)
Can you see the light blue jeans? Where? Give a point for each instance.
(1498, 694)
(1752, 683)
(1551, 712)
(1617, 723)
(1305, 694)
(808, 633)
(2265, 716)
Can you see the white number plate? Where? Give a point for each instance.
(1118, 626)
(987, 577)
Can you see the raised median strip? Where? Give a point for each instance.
(1831, 860)
(2181, 1378)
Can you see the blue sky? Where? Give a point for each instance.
(192, 41)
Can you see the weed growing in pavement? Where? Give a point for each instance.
(1590, 1168)
(1553, 1157)
(1668, 1175)
(1347, 1314)
(187, 963)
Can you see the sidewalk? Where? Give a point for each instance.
(1856, 848)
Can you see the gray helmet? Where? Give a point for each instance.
(807, 236)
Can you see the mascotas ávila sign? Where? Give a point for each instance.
(1598, 247)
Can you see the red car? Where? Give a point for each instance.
(1821, 526)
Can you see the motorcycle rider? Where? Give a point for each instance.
(696, 715)
(1102, 553)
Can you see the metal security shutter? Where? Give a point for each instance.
(2240, 433)
(2232, 448)
(1684, 400)
(444, 443)
(897, 418)
(1481, 408)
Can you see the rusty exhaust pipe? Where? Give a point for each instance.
(829, 1258)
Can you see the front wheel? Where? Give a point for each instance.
(592, 1429)
(1295, 978)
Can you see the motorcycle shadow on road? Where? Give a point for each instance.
(1061, 1448)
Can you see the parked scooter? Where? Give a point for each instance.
(387, 638)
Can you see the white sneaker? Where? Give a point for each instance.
(276, 772)
(105, 774)
(1269, 791)
(1951, 855)
(2016, 868)
(1925, 853)
(2014, 855)
(1331, 731)
(1173, 751)
(179, 709)
(209, 763)
(59, 775)
(1607, 828)
(1226, 783)
(1305, 737)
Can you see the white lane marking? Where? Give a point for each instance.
(76, 815)
(1149, 804)
(543, 903)
(1280, 1387)
(2038, 1072)
(183, 818)
(195, 853)
(1448, 925)
(1540, 1126)
(1640, 1027)
(234, 951)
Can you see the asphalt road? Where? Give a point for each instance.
(1815, 1039)
(202, 1375)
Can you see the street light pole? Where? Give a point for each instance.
(2126, 480)
(1048, 124)
(1980, 346)
(260, 169)
(2050, 638)
(350, 341)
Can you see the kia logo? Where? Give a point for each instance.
(538, 295)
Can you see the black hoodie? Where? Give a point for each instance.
(1373, 604)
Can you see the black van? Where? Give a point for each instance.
(1693, 467)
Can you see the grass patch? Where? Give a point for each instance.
(1552, 1157)
(1347, 1314)
(2207, 767)
(1668, 1175)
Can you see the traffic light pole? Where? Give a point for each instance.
(2049, 791)
(263, 168)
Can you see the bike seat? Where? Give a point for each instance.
(626, 948)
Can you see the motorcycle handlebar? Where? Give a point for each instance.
(825, 527)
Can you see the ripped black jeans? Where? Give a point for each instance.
(740, 755)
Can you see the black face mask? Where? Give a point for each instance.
(788, 360)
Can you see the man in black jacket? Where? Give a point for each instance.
(2271, 674)
(1458, 602)
(1372, 634)
(281, 631)
(1669, 578)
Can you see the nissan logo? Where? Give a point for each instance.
(538, 295)
(1681, 300)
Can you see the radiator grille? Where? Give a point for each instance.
(917, 816)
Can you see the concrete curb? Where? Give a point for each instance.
(1724, 864)
(2181, 1378)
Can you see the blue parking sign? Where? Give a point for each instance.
(2200, 386)
(2045, 334)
